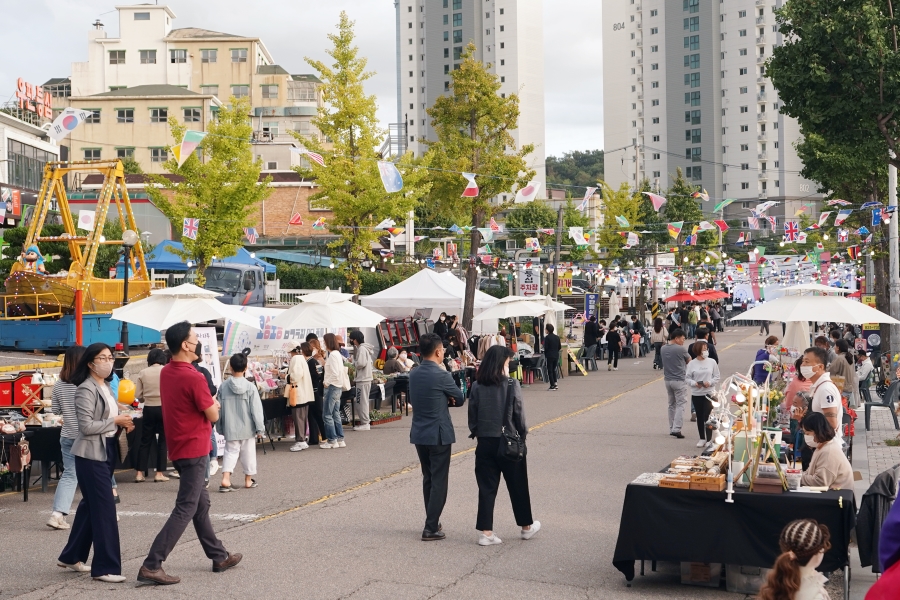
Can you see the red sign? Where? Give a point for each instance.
(16, 202)
(33, 98)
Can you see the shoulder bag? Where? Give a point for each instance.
(512, 445)
(292, 395)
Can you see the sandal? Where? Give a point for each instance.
(253, 484)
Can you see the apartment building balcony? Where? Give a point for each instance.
(640, 96)
(640, 43)
(762, 175)
(761, 97)
(639, 25)
(761, 117)
(760, 2)
(762, 195)
(640, 61)
(640, 114)
(640, 79)
(760, 20)
(760, 40)
(760, 60)
(761, 79)
(762, 155)
(761, 137)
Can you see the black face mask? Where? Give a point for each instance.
(198, 350)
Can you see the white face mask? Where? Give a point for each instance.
(705, 354)
(810, 440)
(403, 356)
(102, 369)
(807, 371)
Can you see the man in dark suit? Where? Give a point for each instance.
(431, 392)
(552, 348)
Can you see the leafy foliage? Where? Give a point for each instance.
(531, 216)
(222, 192)
(681, 207)
(315, 278)
(107, 256)
(575, 168)
(131, 166)
(351, 185)
(618, 203)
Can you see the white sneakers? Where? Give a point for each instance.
(326, 445)
(299, 446)
(340, 444)
(213, 467)
(110, 578)
(535, 527)
(57, 521)
(701, 443)
(78, 567)
(362, 428)
(484, 540)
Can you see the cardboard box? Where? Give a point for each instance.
(740, 579)
(682, 482)
(703, 574)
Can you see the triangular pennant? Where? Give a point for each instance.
(656, 199)
(706, 226)
(622, 221)
(296, 219)
(587, 196)
(675, 228)
(395, 231)
(487, 234)
(528, 193)
(837, 202)
(703, 195)
(494, 225)
(842, 216)
(721, 205)
(319, 224)
(471, 190)
(722, 225)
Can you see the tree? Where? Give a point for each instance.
(222, 192)
(523, 220)
(572, 217)
(680, 206)
(618, 203)
(472, 124)
(575, 168)
(131, 166)
(350, 184)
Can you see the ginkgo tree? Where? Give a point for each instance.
(349, 184)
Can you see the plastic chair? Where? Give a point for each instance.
(846, 421)
(589, 358)
(864, 386)
(887, 402)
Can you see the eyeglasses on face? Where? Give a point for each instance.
(104, 358)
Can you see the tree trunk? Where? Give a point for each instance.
(471, 273)
(882, 297)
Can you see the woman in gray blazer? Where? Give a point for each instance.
(95, 456)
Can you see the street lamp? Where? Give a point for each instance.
(129, 239)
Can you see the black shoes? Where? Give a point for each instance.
(432, 536)
(677, 434)
(232, 560)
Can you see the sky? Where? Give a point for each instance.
(42, 42)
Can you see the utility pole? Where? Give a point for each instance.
(637, 179)
(655, 293)
(559, 227)
(893, 259)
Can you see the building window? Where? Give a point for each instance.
(742, 14)
(271, 127)
(654, 12)
(654, 67)
(446, 86)
(457, 5)
(159, 115)
(696, 154)
(745, 166)
(92, 154)
(656, 156)
(502, 45)
(25, 166)
(744, 147)
(457, 36)
(745, 109)
(654, 84)
(457, 52)
(177, 56)
(742, 33)
(654, 30)
(117, 57)
(270, 91)
(501, 11)
(692, 42)
(446, 69)
(692, 61)
(122, 153)
(692, 79)
(743, 90)
(159, 155)
(655, 138)
(502, 61)
(654, 103)
(692, 5)
(654, 48)
(209, 56)
(94, 116)
(777, 183)
(695, 136)
(742, 71)
(692, 24)
(148, 57)
(238, 55)
(696, 172)
(457, 19)
(446, 19)
(656, 174)
(745, 185)
(503, 28)
(192, 115)
(692, 98)
(211, 90)
(141, 16)
(656, 120)
(446, 36)
(125, 115)
(446, 53)
(240, 91)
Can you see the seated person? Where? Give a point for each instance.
(828, 467)
(405, 361)
(392, 364)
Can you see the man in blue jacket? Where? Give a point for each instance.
(431, 392)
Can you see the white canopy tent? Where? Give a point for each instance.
(835, 309)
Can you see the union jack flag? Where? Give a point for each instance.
(250, 234)
(791, 231)
(189, 228)
(843, 235)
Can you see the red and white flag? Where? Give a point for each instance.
(471, 190)
(494, 225)
(528, 193)
(656, 199)
(189, 228)
(296, 219)
(313, 156)
(722, 225)
(824, 217)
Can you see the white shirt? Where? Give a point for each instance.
(864, 368)
(825, 395)
(113, 405)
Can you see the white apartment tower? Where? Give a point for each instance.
(508, 36)
(684, 84)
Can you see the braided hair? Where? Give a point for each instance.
(800, 541)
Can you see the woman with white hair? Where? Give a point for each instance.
(392, 364)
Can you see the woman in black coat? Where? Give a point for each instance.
(488, 416)
(440, 326)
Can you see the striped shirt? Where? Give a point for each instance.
(64, 404)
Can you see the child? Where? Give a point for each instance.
(635, 344)
(803, 546)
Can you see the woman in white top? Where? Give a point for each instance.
(301, 380)
(702, 376)
(333, 382)
(794, 576)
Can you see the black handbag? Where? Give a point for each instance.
(512, 445)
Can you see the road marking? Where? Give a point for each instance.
(245, 518)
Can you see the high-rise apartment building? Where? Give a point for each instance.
(685, 86)
(508, 36)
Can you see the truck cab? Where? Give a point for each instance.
(241, 285)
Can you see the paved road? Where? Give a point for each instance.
(345, 523)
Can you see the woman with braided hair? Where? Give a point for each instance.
(794, 576)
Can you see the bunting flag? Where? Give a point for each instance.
(761, 208)
(437, 253)
(547, 231)
(722, 225)
(456, 229)
(66, 122)
(418, 238)
(250, 234)
(487, 234)
(452, 251)
(390, 176)
(632, 241)
(189, 143)
(869, 237)
(801, 238)
(843, 235)
(739, 267)
(622, 221)
(702, 194)
(313, 156)
(801, 210)
(773, 221)
(533, 244)
(656, 199)
(319, 224)
(471, 190)
(675, 229)
(528, 193)
(385, 224)
(486, 249)
(869, 205)
(862, 231)
(791, 230)
(812, 227)
(820, 246)
(842, 216)
(690, 240)
(386, 253)
(706, 226)
(753, 222)
(588, 194)
(721, 205)
(837, 202)
(189, 228)
(695, 229)
(886, 214)
(85, 218)
(853, 252)
(395, 231)
(577, 235)
(824, 217)
(296, 219)
(494, 226)
(876, 218)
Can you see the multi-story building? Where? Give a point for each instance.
(508, 37)
(24, 151)
(684, 86)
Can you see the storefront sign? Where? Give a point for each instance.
(564, 283)
(270, 339)
(34, 99)
(869, 301)
(529, 280)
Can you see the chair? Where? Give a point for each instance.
(864, 386)
(887, 402)
(846, 422)
(589, 358)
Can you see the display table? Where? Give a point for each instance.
(664, 524)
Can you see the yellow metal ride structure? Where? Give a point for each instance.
(32, 295)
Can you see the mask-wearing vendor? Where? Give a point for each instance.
(33, 260)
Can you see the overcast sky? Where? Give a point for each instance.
(43, 40)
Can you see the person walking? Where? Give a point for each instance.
(146, 388)
(702, 375)
(332, 383)
(658, 337)
(188, 414)
(495, 406)
(363, 357)
(316, 374)
(301, 380)
(552, 348)
(693, 319)
(614, 347)
(63, 404)
(431, 392)
(240, 422)
(95, 451)
(763, 326)
(675, 359)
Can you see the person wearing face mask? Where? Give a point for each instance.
(702, 376)
(440, 326)
(766, 353)
(841, 367)
(363, 357)
(794, 577)
(95, 453)
(826, 398)
(798, 384)
(829, 467)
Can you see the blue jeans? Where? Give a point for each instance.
(65, 489)
(331, 414)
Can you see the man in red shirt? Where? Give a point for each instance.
(188, 412)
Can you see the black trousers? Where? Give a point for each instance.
(613, 356)
(435, 476)
(316, 422)
(552, 364)
(657, 358)
(488, 468)
(153, 426)
(95, 520)
(702, 406)
(191, 504)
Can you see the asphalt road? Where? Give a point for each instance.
(345, 523)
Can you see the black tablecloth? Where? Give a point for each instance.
(44, 443)
(277, 407)
(667, 524)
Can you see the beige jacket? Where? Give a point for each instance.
(829, 468)
(298, 371)
(146, 386)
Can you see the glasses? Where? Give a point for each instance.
(103, 359)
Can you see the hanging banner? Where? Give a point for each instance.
(270, 339)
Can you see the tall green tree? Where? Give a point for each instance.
(472, 124)
(221, 191)
(680, 206)
(575, 168)
(523, 220)
(350, 184)
(622, 202)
